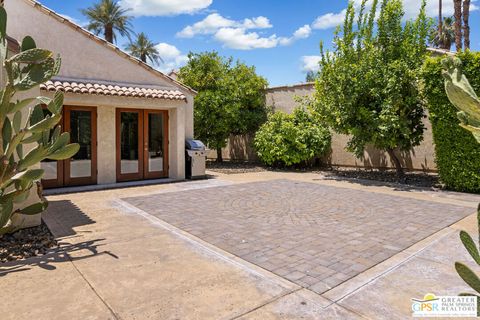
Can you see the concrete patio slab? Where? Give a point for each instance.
(389, 297)
(48, 287)
(165, 281)
(302, 304)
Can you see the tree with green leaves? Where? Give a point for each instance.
(230, 98)
(109, 18)
(369, 87)
(144, 49)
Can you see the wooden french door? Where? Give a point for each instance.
(81, 169)
(142, 144)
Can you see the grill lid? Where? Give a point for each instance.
(192, 144)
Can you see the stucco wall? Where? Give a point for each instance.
(239, 148)
(84, 57)
(420, 158)
(283, 98)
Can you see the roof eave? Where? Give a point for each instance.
(107, 44)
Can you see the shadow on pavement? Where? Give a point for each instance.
(62, 254)
(63, 216)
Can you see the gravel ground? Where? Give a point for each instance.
(415, 179)
(26, 243)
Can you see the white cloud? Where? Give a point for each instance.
(214, 22)
(238, 38)
(257, 23)
(303, 32)
(329, 20)
(172, 57)
(311, 63)
(209, 25)
(164, 7)
(238, 35)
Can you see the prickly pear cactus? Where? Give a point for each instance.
(22, 123)
(461, 95)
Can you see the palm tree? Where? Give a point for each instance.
(444, 39)
(466, 26)
(440, 19)
(107, 16)
(457, 4)
(144, 49)
(311, 76)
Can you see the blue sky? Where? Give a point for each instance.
(280, 38)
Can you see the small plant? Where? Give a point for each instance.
(462, 96)
(288, 139)
(40, 133)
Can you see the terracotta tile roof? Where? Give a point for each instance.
(112, 89)
(105, 43)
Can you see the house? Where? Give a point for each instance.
(130, 120)
(173, 74)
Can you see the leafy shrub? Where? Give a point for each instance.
(288, 139)
(457, 151)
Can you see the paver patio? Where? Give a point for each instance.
(314, 235)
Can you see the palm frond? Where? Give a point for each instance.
(109, 13)
(144, 49)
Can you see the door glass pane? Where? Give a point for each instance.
(81, 133)
(155, 142)
(49, 166)
(129, 142)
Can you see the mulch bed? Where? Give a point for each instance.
(26, 243)
(231, 167)
(415, 179)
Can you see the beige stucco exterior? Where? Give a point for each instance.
(86, 57)
(421, 158)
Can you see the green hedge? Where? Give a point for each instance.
(457, 151)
